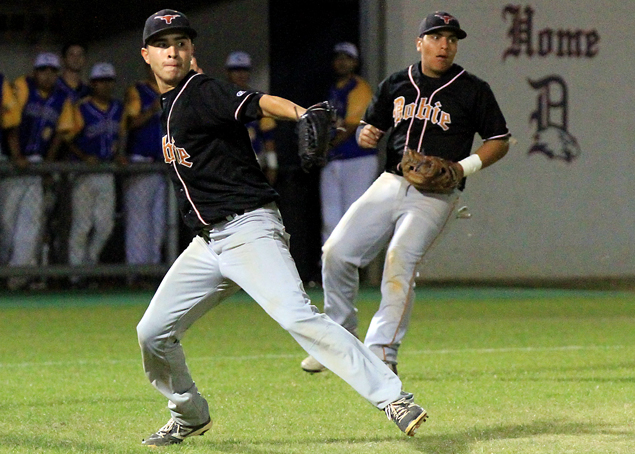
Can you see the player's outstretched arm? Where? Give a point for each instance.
(280, 108)
(492, 150)
(486, 155)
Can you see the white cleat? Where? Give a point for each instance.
(311, 365)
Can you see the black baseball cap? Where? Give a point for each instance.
(440, 20)
(167, 19)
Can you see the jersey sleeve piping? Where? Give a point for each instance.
(242, 104)
(501, 136)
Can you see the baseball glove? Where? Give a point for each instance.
(315, 131)
(431, 173)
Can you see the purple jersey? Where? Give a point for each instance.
(100, 135)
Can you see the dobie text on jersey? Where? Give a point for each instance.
(424, 111)
(173, 153)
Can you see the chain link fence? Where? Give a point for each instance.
(84, 225)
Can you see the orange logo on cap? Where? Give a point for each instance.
(445, 19)
(168, 18)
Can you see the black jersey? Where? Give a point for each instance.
(436, 116)
(214, 168)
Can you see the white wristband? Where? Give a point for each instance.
(271, 160)
(471, 164)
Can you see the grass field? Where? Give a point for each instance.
(499, 371)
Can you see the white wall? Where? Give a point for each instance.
(532, 216)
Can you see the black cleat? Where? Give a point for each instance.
(173, 433)
(406, 414)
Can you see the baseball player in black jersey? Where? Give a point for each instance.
(434, 107)
(224, 195)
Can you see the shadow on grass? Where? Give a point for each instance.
(462, 442)
(452, 443)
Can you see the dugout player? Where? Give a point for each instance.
(73, 62)
(100, 125)
(145, 194)
(434, 107)
(261, 132)
(46, 119)
(72, 83)
(9, 147)
(350, 169)
(224, 195)
(9, 120)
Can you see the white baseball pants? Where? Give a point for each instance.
(145, 208)
(250, 251)
(93, 217)
(22, 215)
(391, 213)
(343, 181)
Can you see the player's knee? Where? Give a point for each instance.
(148, 335)
(143, 334)
(331, 253)
(154, 337)
(337, 260)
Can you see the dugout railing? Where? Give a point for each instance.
(52, 259)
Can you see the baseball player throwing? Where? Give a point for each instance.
(430, 108)
(224, 195)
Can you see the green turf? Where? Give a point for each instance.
(499, 371)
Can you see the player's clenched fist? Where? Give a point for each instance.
(369, 136)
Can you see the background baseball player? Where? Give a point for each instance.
(56, 186)
(73, 63)
(434, 108)
(224, 195)
(145, 193)
(351, 169)
(9, 146)
(46, 118)
(262, 131)
(100, 128)
(9, 118)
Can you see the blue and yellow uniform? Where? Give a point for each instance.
(9, 113)
(351, 169)
(350, 99)
(145, 193)
(9, 119)
(42, 115)
(98, 141)
(144, 142)
(100, 128)
(76, 94)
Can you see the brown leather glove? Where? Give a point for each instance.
(431, 173)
